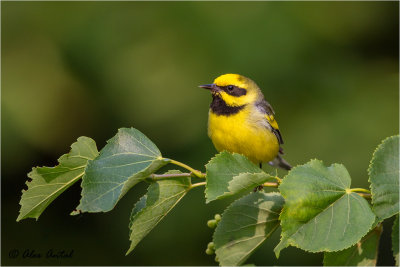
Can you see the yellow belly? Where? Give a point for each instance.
(236, 133)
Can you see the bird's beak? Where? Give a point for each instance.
(208, 86)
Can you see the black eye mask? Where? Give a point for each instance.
(233, 90)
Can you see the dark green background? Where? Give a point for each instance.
(329, 69)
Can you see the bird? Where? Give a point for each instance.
(240, 120)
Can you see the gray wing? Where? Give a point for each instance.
(266, 108)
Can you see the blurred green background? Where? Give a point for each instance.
(329, 69)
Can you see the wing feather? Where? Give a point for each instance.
(269, 112)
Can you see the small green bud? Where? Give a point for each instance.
(217, 217)
(209, 251)
(211, 245)
(212, 223)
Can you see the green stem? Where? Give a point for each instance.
(267, 184)
(197, 173)
(156, 177)
(360, 190)
(278, 179)
(169, 175)
(196, 185)
(365, 195)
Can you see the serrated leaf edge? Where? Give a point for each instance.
(72, 181)
(289, 241)
(229, 193)
(124, 188)
(265, 238)
(131, 248)
(226, 194)
(375, 150)
(365, 236)
(370, 166)
(133, 214)
(142, 210)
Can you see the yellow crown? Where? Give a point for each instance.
(229, 79)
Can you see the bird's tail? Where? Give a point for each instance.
(281, 163)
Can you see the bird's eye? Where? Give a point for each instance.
(230, 87)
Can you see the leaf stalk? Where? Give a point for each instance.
(196, 173)
(156, 177)
(365, 195)
(279, 180)
(197, 184)
(360, 190)
(268, 184)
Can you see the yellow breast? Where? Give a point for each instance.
(243, 133)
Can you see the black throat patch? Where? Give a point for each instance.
(219, 107)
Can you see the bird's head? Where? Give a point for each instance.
(234, 89)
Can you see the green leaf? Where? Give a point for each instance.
(395, 240)
(128, 158)
(228, 174)
(384, 178)
(141, 204)
(161, 197)
(321, 213)
(247, 181)
(49, 182)
(363, 253)
(245, 225)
